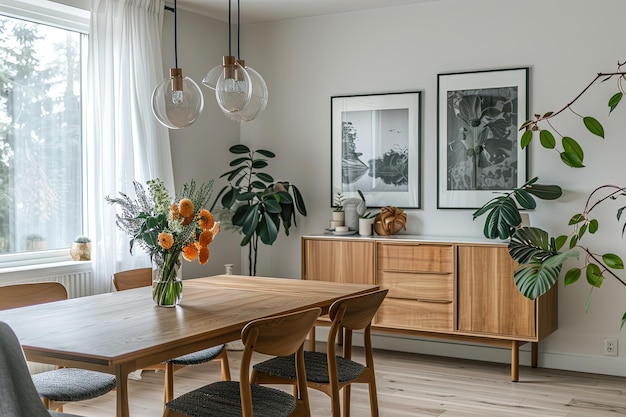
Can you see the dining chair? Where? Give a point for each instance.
(62, 385)
(329, 372)
(17, 390)
(276, 336)
(142, 277)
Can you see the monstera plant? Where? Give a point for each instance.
(254, 203)
(541, 256)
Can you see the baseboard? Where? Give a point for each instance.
(554, 360)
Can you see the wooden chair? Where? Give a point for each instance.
(62, 385)
(142, 277)
(278, 335)
(328, 372)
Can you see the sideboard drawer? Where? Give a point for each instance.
(417, 286)
(419, 315)
(416, 258)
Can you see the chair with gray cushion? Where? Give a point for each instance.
(278, 335)
(142, 277)
(18, 396)
(62, 385)
(327, 371)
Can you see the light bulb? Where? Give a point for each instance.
(258, 98)
(176, 101)
(231, 83)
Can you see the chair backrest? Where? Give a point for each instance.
(277, 336)
(21, 295)
(18, 393)
(356, 312)
(133, 278)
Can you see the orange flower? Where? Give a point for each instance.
(166, 240)
(205, 219)
(203, 256)
(174, 211)
(190, 252)
(185, 206)
(205, 238)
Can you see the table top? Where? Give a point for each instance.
(127, 327)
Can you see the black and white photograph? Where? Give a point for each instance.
(375, 148)
(479, 153)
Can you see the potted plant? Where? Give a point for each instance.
(541, 256)
(80, 250)
(338, 213)
(254, 204)
(366, 218)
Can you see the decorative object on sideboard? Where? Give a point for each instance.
(338, 215)
(351, 209)
(80, 250)
(390, 221)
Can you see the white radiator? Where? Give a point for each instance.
(77, 277)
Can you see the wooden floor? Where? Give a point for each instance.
(416, 385)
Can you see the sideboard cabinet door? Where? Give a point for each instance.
(346, 261)
(488, 300)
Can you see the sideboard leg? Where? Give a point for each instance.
(534, 352)
(514, 361)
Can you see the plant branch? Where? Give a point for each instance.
(606, 268)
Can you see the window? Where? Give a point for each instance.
(41, 130)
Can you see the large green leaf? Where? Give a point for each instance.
(613, 261)
(502, 219)
(239, 161)
(545, 192)
(297, 195)
(535, 279)
(272, 206)
(547, 139)
(259, 163)
(250, 220)
(239, 148)
(594, 126)
(266, 153)
(530, 243)
(265, 177)
(525, 200)
(267, 230)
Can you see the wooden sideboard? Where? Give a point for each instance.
(438, 287)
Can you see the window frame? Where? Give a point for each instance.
(74, 19)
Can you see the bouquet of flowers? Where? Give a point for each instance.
(166, 229)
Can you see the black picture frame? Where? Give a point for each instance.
(478, 119)
(375, 148)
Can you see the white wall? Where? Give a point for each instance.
(306, 61)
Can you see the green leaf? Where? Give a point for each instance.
(268, 230)
(502, 220)
(265, 177)
(572, 276)
(594, 126)
(239, 148)
(573, 242)
(571, 160)
(488, 206)
(545, 192)
(258, 185)
(527, 137)
(613, 261)
(581, 231)
(259, 163)
(547, 139)
(614, 101)
(247, 196)
(238, 161)
(576, 218)
(623, 321)
(535, 279)
(530, 243)
(300, 206)
(272, 206)
(593, 226)
(525, 124)
(571, 146)
(232, 174)
(548, 114)
(560, 241)
(266, 153)
(620, 211)
(250, 220)
(594, 275)
(525, 200)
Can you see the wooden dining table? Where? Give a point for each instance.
(120, 332)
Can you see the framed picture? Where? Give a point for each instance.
(478, 151)
(375, 148)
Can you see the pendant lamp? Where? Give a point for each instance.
(258, 93)
(230, 80)
(177, 101)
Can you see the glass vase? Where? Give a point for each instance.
(167, 282)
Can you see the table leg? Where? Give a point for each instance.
(312, 339)
(121, 376)
(514, 361)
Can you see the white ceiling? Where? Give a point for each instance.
(253, 11)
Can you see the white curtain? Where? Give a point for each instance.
(125, 142)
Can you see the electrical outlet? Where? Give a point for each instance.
(610, 347)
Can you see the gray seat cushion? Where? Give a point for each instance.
(222, 399)
(71, 384)
(199, 357)
(316, 367)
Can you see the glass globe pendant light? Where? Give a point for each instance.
(230, 80)
(177, 101)
(258, 94)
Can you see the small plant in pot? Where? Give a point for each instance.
(338, 213)
(80, 250)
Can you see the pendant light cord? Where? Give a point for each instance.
(229, 30)
(174, 9)
(238, 29)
